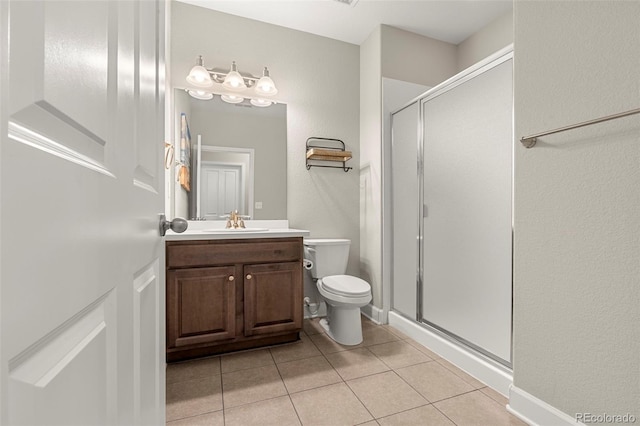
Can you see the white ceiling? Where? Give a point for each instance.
(447, 20)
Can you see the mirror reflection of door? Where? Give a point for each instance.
(258, 133)
(224, 181)
(222, 189)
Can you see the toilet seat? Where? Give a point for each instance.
(345, 286)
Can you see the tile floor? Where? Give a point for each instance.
(389, 379)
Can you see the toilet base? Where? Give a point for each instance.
(343, 325)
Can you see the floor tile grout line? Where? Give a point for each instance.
(328, 362)
(455, 396)
(405, 366)
(197, 414)
(441, 412)
(191, 379)
(361, 402)
(499, 402)
(295, 409)
(285, 384)
(255, 402)
(224, 415)
(404, 411)
(412, 387)
(401, 378)
(193, 361)
(168, 422)
(368, 347)
(461, 370)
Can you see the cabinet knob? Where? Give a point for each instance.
(249, 276)
(231, 278)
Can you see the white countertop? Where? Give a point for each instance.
(215, 230)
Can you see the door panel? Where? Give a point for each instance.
(54, 374)
(272, 298)
(81, 189)
(59, 73)
(467, 194)
(404, 157)
(222, 190)
(148, 172)
(201, 304)
(147, 309)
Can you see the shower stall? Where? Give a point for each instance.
(451, 177)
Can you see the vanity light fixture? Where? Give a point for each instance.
(232, 86)
(265, 85)
(262, 103)
(233, 80)
(199, 75)
(201, 94)
(231, 98)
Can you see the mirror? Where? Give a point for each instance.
(236, 156)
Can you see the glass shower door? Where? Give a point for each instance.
(467, 224)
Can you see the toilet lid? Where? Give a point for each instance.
(346, 285)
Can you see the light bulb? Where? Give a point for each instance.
(262, 103)
(200, 94)
(231, 98)
(234, 80)
(265, 86)
(199, 76)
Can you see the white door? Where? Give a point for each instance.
(221, 190)
(82, 301)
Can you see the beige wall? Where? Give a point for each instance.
(493, 37)
(329, 203)
(370, 165)
(577, 204)
(415, 58)
(304, 67)
(391, 53)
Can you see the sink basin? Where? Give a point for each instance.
(226, 230)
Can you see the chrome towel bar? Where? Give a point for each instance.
(530, 141)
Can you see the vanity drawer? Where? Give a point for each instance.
(182, 254)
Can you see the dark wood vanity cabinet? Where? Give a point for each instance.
(272, 298)
(197, 322)
(225, 295)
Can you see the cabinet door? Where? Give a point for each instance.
(272, 298)
(200, 305)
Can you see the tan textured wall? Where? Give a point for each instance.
(324, 201)
(577, 204)
(370, 164)
(415, 58)
(493, 37)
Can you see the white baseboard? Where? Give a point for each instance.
(373, 313)
(488, 372)
(536, 412)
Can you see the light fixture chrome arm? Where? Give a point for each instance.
(235, 86)
(219, 76)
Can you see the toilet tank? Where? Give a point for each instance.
(329, 255)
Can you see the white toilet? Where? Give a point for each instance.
(344, 294)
